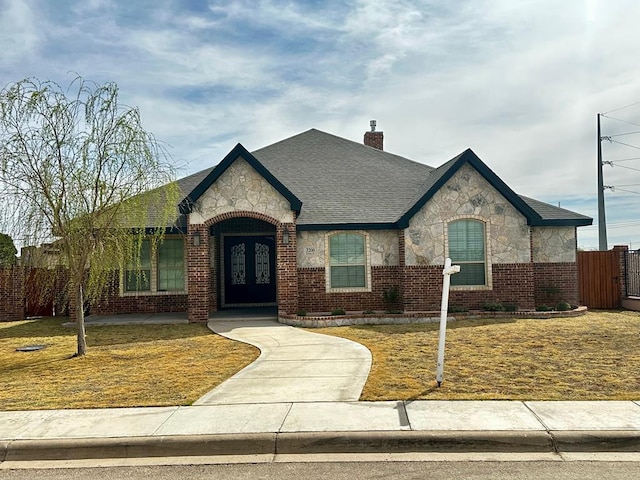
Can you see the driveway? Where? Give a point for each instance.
(294, 365)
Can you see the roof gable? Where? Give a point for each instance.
(443, 173)
(186, 205)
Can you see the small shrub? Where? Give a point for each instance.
(457, 309)
(338, 311)
(510, 307)
(563, 307)
(391, 296)
(368, 312)
(302, 313)
(543, 308)
(493, 307)
(393, 311)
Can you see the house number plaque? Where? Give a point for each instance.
(310, 250)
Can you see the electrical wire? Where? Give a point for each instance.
(623, 121)
(625, 159)
(623, 134)
(625, 144)
(624, 166)
(622, 108)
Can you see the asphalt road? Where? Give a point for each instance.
(351, 471)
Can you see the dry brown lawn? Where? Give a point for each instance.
(594, 357)
(135, 365)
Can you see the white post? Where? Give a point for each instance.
(444, 306)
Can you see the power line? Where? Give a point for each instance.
(623, 121)
(621, 108)
(623, 134)
(621, 143)
(613, 188)
(625, 159)
(621, 166)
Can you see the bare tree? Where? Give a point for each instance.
(78, 169)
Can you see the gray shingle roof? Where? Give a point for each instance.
(343, 183)
(550, 213)
(340, 181)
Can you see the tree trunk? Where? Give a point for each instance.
(82, 339)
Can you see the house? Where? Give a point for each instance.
(315, 222)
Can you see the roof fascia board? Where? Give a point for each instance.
(186, 205)
(347, 226)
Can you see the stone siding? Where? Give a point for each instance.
(241, 188)
(467, 195)
(553, 244)
(383, 247)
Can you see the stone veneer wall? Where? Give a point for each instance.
(467, 195)
(241, 188)
(383, 246)
(553, 244)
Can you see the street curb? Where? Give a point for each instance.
(414, 441)
(140, 447)
(526, 441)
(597, 441)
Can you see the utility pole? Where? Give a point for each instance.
(602, 221)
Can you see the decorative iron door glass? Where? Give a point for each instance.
(249, 269)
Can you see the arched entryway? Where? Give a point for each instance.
(244, 263)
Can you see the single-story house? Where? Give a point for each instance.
(317, 222)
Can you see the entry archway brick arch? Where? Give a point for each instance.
(203, 288)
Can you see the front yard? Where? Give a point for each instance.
(136, 365)
(594, 357)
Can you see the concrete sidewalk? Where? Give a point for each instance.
(321, 427)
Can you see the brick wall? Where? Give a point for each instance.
(287, 260)
(512, 283)
(12, 295)
(313, 296)
(112, 303)
(198, 271)
(555, 282)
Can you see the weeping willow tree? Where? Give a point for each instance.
(79, 170)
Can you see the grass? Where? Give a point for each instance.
(136, 365)
(594, 357)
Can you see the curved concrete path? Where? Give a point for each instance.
(294, 366)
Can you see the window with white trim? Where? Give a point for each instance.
(347, 261)
(467, 249)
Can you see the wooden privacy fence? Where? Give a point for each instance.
(599, 279)
(632, 273)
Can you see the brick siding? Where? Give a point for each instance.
(555, 282)
(12, 295)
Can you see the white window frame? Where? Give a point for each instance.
(327, 262)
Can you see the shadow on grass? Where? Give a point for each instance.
(102, 335)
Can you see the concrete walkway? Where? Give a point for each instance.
(294, 365)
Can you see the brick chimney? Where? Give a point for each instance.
(372, 138)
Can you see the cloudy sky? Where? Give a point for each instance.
(519, 82)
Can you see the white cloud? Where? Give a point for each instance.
(519, 82)
(19, 35)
